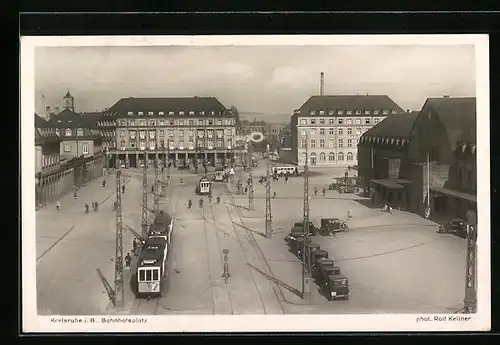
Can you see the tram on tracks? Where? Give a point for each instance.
(151, 267)
(219, 174)
(204, 186)
(162, 227)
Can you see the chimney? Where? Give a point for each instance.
(56, 109)
(322, 84)
(47, 112)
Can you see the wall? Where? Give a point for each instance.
(76, 148)
(38, 159)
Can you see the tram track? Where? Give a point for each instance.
(251, 239)
(151, 306)
(207, 250)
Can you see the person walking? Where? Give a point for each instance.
(324, 191)
(190, 203)
(75, 195)
(315, 191)
(286, 178)
(58, 205)
(128, 260)
(86, 208)
(349, 215)
(134, 246)
(123, 189)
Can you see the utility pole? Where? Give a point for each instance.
(162, 173)
(156, 193)
(119, 292)
(269, 217)
(144, 211)
(250, 187)
(167, 162)
(470, 300)
(306, 257)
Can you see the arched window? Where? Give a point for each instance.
(349, 156)
(331, 157)
(322, 157)
(68, 132)
(79, 132)
(340, 156)
(313, 158)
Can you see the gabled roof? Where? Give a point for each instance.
(393, 127)
(349, 102)
(457, 114)
(70, 119)
(68, 95)
(93, 117)
(166, 104)
(40, 121)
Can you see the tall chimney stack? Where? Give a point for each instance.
(322, 84)
(47, 112)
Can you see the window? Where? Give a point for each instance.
(313, 132)
(79, 132)
(331, 157)
(331, 121)
(303, 122)
(367, 121)
(131, 123)
(313, 121)
(330, 112)
(331, 143)
(67, 147)
(181, 133)
(150, 113)
(349, 131)
(376, 120)
(143, 123)
(191, 122)
(132, 134)
(181, 112)
(220, 133)
(171, 113)
(340, 156)
(140, 113)
(303, 132)
(130, 113)
(349, 121)
(152, 123)
(219, 122)
(394, 112)
(148, 275)
(152, 134)
(181, 144)
(181, 122)
(322, 143)
(313, 143)
(210, 122)
(349, 142)
(228, 131)
(68, 132)
(367, 112)
(322, 157)
(191, 112)
(321, 121)
(191, 143)
(349, 156)
(211, 112)
(132, 144)
(341, 131)
(341, 143)
(191, 132)
(303, 143)
(151, 144)
(162, 133)
(162, 122)
(161, 113)
(349, 112)
(170, 132)
(122, 133)
(142, 275)
(341, 121)
(321, 131)
(385, 112)
(358, 121)
(375, 112)
(156, 274)
(171, 122)
(85, 149)
(229, 122)
(322, 112)
(331, 131)
(202, 112)
(312, 112)
(358, 131)
(358, 112)
(200, 122)
(142, 134)
(340, 112)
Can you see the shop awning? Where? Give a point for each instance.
(454, 193)
(391, 183)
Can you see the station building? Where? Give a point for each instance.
(190, 130)
(331, 127)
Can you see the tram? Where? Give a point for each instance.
(219, 174)
(204, 186)
(151, 267)
(162, 227)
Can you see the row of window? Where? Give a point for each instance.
(132, 123)
(340, 121)
(331, 143)
(69, 132)
(172, 113)
(170, 132)
(350, 112)
(84, 148)
(331, 131)
(331, 157)
(141, 144)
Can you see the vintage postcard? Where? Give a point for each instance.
(255, 183)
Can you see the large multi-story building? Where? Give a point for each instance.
(47, 147)
(190, 129)
(331, 126)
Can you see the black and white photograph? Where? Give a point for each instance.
(255, 183)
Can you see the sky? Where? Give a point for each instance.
(265, 81)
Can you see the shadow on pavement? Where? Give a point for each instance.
(277, 281)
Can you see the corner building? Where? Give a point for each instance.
(181, 130)
(331, 127)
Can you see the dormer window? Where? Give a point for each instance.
(385, 112)
(191, 112)
(349, 112)
(202, 112)
(367, 112)
(150, 113)
(331, 112)
(140, 113)
(68, 132)
(221, 112)
(312, 112)
(130, 113)
(340, 112)
(171, 113)
(394, 112)
(212, 112)
(375, 112)
(79, 132)
(161, 113)
(358, 112)
(181, 112)
(322, 112)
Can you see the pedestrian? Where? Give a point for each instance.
(274, 195)
(324, 191)
(123, 189)
(152, 189)
(86, 208)
(58, 205)
(75, 195)
(218, 199)
(190, 203)
(103, 183)
(115, 205)
(128, 260)
(315, 191)
(286, 179)
(349, 215)
(210, 198)
(96, 206)
(201, 203)
(134, 245)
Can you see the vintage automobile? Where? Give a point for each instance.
(455, 226)
(294, 233)
(312, 229)
(330, 226)
(337, 286)
(322, 262)
(297, 246)
(318, 255)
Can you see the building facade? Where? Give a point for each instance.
(180, 130)
(47, 147)
(330, 127)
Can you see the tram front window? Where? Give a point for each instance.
(155, 275)
(148, 275)
(142, 275)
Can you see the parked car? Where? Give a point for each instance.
(455, 226)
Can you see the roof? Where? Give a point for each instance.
(69, 119)
(157, 254)
(397, 127)
(457, 114)
(468, 136)
(349, 102)
(166, 104)
(39, 121)
(92, 118)
(68, 95)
